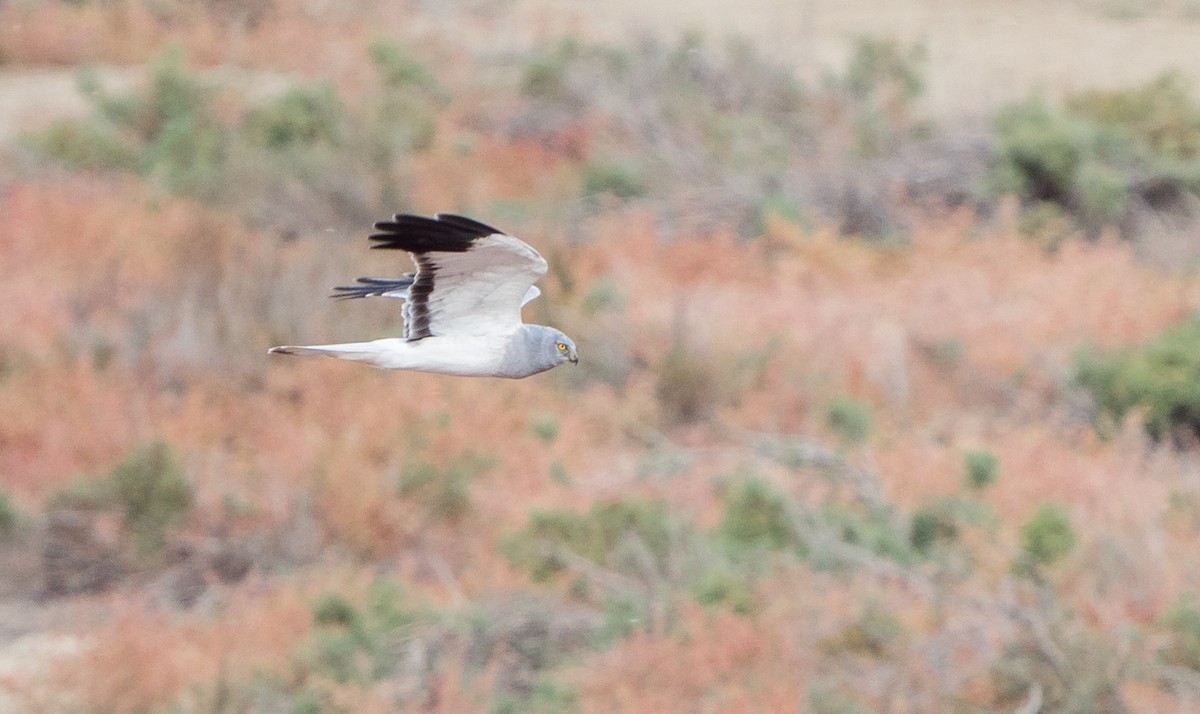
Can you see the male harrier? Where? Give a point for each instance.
(462, 311)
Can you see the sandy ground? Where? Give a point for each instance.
(982, 53)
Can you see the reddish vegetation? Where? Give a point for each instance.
(131, 316)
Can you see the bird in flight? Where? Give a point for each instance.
(462, 306)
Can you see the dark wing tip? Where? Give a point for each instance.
(467, 224)
(444, 232)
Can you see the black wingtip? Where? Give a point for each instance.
(467, 224)
(445, 232)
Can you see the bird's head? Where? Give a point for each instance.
(564, 348)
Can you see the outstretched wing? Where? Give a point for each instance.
(471, 279)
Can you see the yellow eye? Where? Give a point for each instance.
(562, 347)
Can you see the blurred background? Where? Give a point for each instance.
(889, 390)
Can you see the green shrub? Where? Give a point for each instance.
(152, 492)
(445, 492)
(398, 69)
(828, 696)
(874, 633)
(333, 609)
(1161, 377)
(620, 179)
(10, 517)
(547, 697)
(148, 487)
(545, 75)
(1182, 622)
(1087, 156)
(169, 130)
(85, 493)
(403, 117)
(545, 427)
(302, 116)
(872, 531)
(755, 516)
(87, 147)
(883, 65)
(1159, 114)
(1047, 537)
(722, 586)
(361, 644)
(595, 535)
(878, 88)
(172, 94)
(930, 526)
(723, 120)
(980, 469)
(623, 616)
(850, 419)
(560, 475)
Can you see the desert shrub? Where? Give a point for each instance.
(622, 616)
(849, 419)
(170, 131)
(445, 492)
(303, 115)
(724, 586)
(547, 697)
(1090, 156)
(825, 696)
(148, 488)
(880, 84)
(755, 516)
(722, 121)
(931, 526)
(612, 178)
(333, 609)
(167, 130)
(545, 427)
(184, 143)
(874, 633)
(1160, 377)
(10, 517)
(87, 147)
(402, 119)
(153, 493)
(758, 517)
(1085, 674)
(596, 535)
(630, 557)
(1182, 623)
(882, 66)
(980, 469)
(544, 75)
(1159, 114)
(864, 528)
(357, 644)
(398, 69)
(1047, 536)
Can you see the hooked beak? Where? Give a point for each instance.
(573, 357)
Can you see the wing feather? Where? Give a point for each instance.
(470, 279)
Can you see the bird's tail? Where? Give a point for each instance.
(369, 352)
